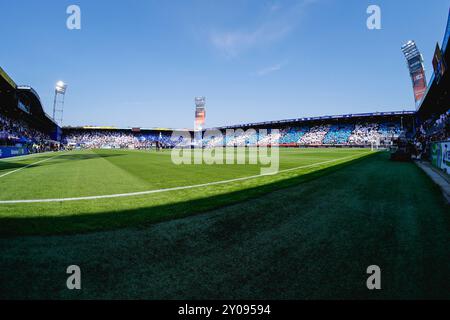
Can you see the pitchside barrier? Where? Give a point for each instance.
(7, 152)
(440, 155)
(342, 146)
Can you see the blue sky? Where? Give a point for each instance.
(141, 63)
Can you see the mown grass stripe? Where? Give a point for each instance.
(27, 166)
(132, 194)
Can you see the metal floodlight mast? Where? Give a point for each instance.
(61, 87)
(200, 117)
(200, 102)
(58, 102)
(414, 61)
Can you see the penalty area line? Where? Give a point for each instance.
(141, 193)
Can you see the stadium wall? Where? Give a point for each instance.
(440, 156)
(8, 152)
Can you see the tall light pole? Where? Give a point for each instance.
(58, 102)
(200, 117)
(416, 69)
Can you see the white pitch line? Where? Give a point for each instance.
(27, 166)
(132, 194)
(26, 156)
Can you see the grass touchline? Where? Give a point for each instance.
(29, 165)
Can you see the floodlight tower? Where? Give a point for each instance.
(58, 102)
(200, 117)
(414, 60)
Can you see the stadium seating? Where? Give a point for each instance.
(18, 132)
(292, 135)
(365, 134)
(338, 134)
(241, 139)
(315, 136)
(117, 139)
(101, 139)
(359, 134)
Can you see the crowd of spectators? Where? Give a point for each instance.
(242, 139)
(365, 134)
(16, 129)
(112, 139)
(292, 135)
(433, 130)
(361, 134)
(15, 132)
(100, 139)
(315, 135)
(338, 134)
(437, 129)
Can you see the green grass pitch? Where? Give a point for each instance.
(114, 173)
(308, 233)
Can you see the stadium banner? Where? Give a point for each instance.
(200, 113)
(439, 65)
(8, 152)
(56, 134)
(419, 84)
(199, 118)
(440, 156)
(416, 70)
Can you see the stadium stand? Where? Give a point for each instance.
(338, 134)
(292, 135)
(354, 130)
(320, 133)
(315, 135)
(365, 134)
(433, 114)
(117, 138)
(24, 126)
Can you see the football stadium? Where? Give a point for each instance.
(292, 209)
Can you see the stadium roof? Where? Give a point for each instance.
(37, 108)
(255, 124)
(437, 99)
(322, 118)
(5, 79)
(18, 92)
(136, 129)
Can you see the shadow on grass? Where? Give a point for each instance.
(142, 217)
(7, 165)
